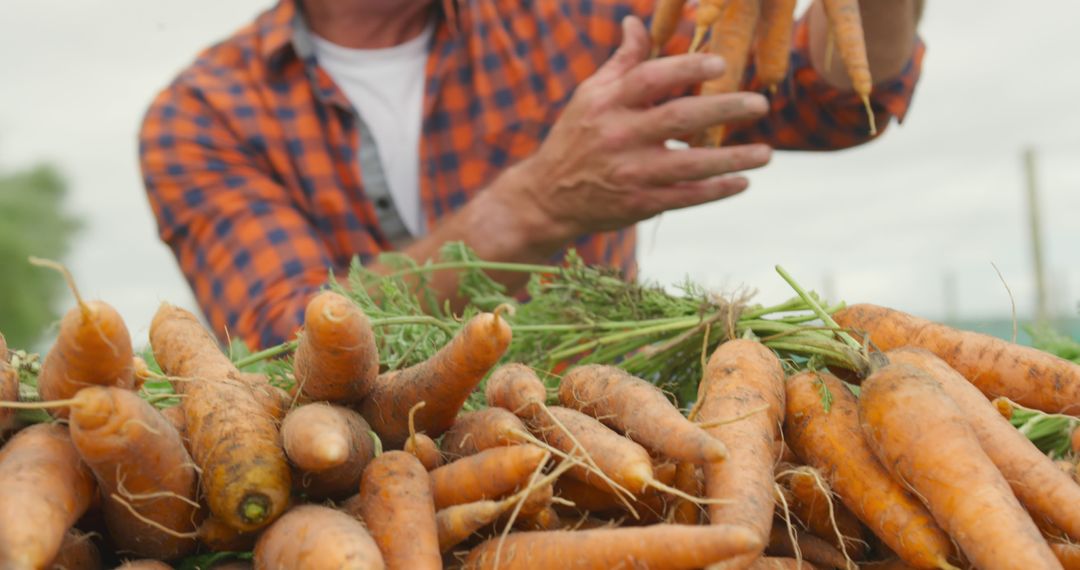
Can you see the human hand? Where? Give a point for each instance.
(604, 165)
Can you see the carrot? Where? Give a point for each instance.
(648, 507)
(707, 14)
(813, 505)
(657, 547)
(314, 537)
(640, 411)
(890, 564)
(420, 445)
(544, 519)
(776, 563)
(475, 431)
(146, 477)
(832, 442)
(234, 441)
(665, 19)
(1044, 489)
(923, 437)
(732, 36)
(772, 41)
(9, 392)
(490, 474)
(397, 506)
(1027, 376)
(44, 489)
(93, 347)
(845, 23)
(806, 547)
(77, 552)
(443, 382)
(742, 376)
(175, 416)
(336, 359)
(275, 402)
(220, 537)
(1067, 553)
(330, 446)
(689, 479)
(3, 349)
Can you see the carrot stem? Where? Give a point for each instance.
(814, 306)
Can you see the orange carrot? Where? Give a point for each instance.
(44, 489)
(459, 522)
(3, 348)
(1045, 490)
(640, 411)
(1027, 376)
(732, 36)
(490, 474)
(658, 547)
(772, 42)
(312, 536)
(665, 19)
(220, 537)
(776, 563)
(443, 382)
(147, 479)
(175, 416)
(689, 479)
(77, 552)
(93, 347)
(808, 547)
(707, 14)
(336, 359)
(1067, 553)
(330, 446)
(397, 506)
(234, 441)
(743, 376)
(475, 431)
(9, 392)
(845, 23)
(832, 442)
(813, 504)
(924, 438)
(420, 445)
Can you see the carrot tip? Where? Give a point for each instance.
(699, 35)
(869, 113)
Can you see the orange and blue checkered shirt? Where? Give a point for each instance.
(250, 156)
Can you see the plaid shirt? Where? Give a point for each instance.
(249, 156)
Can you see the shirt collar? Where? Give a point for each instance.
(283, 27)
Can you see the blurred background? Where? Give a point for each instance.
(917, 220)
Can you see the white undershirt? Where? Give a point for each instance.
(386, 86)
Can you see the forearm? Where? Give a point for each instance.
(889, 28)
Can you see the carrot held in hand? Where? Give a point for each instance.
(832, 441)
(742, 377)
(772, 41)
(92, 348)
(233, 439)
(845, 23)
(312, 537)
(732, 36)
(443, 382)
(924, 438)
(666, 17)
(1025, 375)
(147, 479)
(707, 14)
(44, 489)
(640, 411)
(1045, 490)
(336, 359)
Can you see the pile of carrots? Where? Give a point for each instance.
(761, 31)
(914, 465)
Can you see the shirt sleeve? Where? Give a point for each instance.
(250, 256)
(807, 113)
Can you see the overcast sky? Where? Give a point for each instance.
(882, 223)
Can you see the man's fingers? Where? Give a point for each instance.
(633, 50)
(666, 76)
(691, 194)
(665, 167)
(688, 115)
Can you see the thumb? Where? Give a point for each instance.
(633, 50)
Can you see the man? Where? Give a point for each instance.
(328, 129)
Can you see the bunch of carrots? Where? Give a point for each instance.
(912, 463)
(761, 31)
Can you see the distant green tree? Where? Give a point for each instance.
(32, 223)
